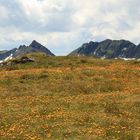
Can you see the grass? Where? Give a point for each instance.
(70, 98)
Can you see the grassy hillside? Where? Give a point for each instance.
(70, 98)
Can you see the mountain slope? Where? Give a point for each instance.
(5, 54)
(87, 49)
(137, 52)
(22, 50)
(108, 49)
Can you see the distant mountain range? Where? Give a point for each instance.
(109, 49)
(22, 50)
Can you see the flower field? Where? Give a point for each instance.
(70, 98)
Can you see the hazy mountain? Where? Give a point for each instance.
(108, 49)
(22, 50)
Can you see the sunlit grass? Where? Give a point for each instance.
(70, 98)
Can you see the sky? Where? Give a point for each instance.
(64, 25)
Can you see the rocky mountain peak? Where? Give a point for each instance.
(109, 49)
(23, 50)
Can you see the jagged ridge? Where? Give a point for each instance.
(22, 50)
(108, 49)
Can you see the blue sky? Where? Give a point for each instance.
(64, 25)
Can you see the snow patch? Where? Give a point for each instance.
(16, 50)
(1, 61)
(127, 59)
(7, 58)
(104, 57)
(124, 49)
(94, 52)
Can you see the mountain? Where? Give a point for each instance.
(137, 52)
(22, 50)
(6, 54)
(108, 49)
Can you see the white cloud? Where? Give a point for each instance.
(3, 12)
(65, 24)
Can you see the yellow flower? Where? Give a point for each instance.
(49, 135)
